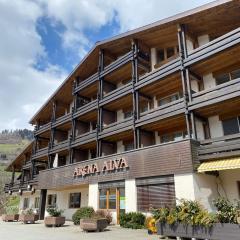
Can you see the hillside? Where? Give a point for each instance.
(12, 143)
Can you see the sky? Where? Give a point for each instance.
(41, 41)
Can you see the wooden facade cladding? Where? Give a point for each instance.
(170, 158)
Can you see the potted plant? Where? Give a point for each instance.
(190, 220)
(55, 219)
(27, 216)
(11, 214)
(94, 223)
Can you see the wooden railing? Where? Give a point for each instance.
(226, 146)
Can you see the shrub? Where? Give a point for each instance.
(12, 210)
(134, 220)
(28, 211)
(226, 211)
(105, 214)
(54, 211)
(84, 212)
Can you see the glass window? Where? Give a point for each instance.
(112, 198)
(223, 78)
(235, 74)
(128, 114)
(36, 202)
(144, 107)
(178, 136)
(52, 200)
(103, 198)
(74, 200)
(61, 161)
(160, 55)
(170, 52)
(25, 203)
(128, 146)
(230, 126)
(166, 138)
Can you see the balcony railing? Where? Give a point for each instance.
(165, 111)
(215, 95)
(116, 94)
(40, 153)
(85, 138)
(116, 127)
(215, 46)
(226, 146)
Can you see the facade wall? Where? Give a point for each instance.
(63, 200)
(31, 199)
(228, 184)
(215, 125)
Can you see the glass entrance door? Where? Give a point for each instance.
(112, 199)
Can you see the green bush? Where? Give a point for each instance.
(134, 220)
(84, 212)
(54, 211)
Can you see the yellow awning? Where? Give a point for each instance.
(220, 164)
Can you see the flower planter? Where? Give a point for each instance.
(54, 221)
(27, 218)
(217, 231)
(10, 217)
(93, 224)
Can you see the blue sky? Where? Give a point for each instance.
(44, 40)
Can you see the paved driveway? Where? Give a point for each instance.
(37, 231)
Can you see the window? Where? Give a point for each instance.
(36, 202)
(173, 136)
(25, 203)
(170, 52)
(160, 55)
(223, 78)
(155, 196)
(226, 77)
(230, 126)
(108, 198)
(61, 161)
(168, 99)
(74, 200)
(145, 106)
(128, 114)
(52, 200)
(128, 146)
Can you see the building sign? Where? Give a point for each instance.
(94, 168)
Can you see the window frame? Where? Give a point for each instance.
(36, 202)
(26, 200)
(74, 206)
(52, 204)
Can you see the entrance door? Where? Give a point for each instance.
(113, 200)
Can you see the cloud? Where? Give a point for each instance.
(24, 84)
(23, 87)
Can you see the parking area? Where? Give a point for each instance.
(37, 231)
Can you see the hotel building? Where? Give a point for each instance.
(147, 117)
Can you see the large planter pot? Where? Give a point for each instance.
(217, 231)
(27, 218)
(93, 224)
(10, 217)
(54, 221)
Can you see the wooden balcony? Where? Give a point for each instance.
(14, 187)
(84, 138)
(60, 146)
(85, 83)
(226, 146)
(162, 72)
(42, 129)
(126, 58)
(116, 127)
(216, 46)
(86, 108)
(116, 94)
(215, 95)
(40, 153)
(168, 110)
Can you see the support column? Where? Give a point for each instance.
(93, 196)
(131, 195)
(184, 75)
(100, 96)
(136, 112)
(42, 205)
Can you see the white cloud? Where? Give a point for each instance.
(22, 85)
